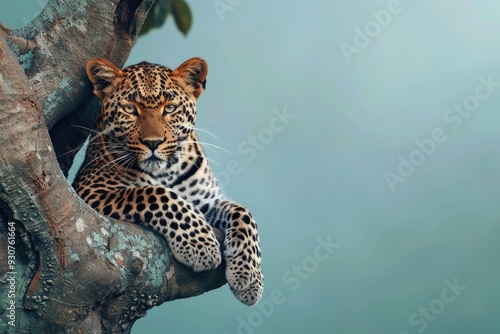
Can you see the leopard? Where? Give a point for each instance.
(144, 164)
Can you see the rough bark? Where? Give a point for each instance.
(68, 269)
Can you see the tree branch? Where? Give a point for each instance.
(69, 33)
(76, 271)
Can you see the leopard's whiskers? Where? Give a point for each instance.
(110, 152)
(114, 162)
(206, 131)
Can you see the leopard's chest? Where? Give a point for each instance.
(199, 189)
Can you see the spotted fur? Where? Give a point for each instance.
(145, 165)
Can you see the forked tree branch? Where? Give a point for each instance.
(74, 271)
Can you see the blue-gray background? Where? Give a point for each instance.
(322, 174)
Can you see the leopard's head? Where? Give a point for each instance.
(148, 110)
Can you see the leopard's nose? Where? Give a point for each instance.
(152, 144)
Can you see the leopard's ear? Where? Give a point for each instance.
(104, 75)
(193, 74)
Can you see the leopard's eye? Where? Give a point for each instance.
(130, 109)
(170, 108)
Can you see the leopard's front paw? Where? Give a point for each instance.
(200, 252)
(245, 279)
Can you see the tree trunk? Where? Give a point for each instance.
(63, 267)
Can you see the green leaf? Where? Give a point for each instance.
(182, 15)
(157, 15)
